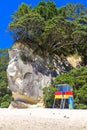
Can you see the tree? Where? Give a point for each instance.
(27, 27)
(51, 31)
(57, 36)
(47, 10)
(72, 11)
(79, 36)
(5, 93)
(22, 10)
(76, 78)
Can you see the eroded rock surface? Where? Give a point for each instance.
(28, 74)
(27, 78)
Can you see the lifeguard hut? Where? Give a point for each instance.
(64, 96)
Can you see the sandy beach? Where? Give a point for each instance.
(43, 119)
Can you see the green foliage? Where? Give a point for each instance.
(22, 10)
(4, 104)
(72, 11)
(47, 10)
(76, 78)
(48, 97)
(5, 93)
(52, 31)
(49, 30)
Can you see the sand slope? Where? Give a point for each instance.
(43, 119)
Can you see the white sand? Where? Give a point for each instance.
(43, 119)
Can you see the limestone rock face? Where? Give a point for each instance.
(28, 76)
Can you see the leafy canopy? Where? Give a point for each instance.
(49, 30)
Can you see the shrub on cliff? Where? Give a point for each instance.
(76, 78)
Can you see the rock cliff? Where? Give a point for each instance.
(28, 74)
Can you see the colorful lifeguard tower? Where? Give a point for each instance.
(64, 96)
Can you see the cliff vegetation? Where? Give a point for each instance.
(5, 92)
(52, 32)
